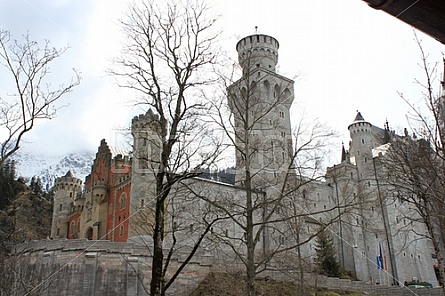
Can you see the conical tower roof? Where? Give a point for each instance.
(343, 152)
(359, 117)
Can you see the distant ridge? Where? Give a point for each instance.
(48, 167)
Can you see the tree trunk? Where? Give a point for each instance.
(249, 235)
(157, 280)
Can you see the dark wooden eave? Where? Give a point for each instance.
(426, 15)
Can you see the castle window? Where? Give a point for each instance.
(363, 141)
(71, 194)
(60, 207)
(121, 230)
(142, 203)
(123, 201)
(281, 114)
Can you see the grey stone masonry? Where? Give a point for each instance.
(100, 268)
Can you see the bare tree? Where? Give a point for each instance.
(414, 165)
(414, 176)
(167, 59)
(32, 98)
(273, 164)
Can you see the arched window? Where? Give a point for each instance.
(277, 91)
(123, 201)
(287, 96)
(267, 89)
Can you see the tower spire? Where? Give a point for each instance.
(343, 152)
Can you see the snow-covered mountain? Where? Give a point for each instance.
(49, 167)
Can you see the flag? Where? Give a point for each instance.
(382, 265)
(381, 260)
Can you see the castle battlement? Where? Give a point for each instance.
(258, 51)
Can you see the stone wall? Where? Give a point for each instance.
(321, 281)
(102, 268)
(82, 267)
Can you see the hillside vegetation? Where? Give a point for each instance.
(27, 216)
(223, 284)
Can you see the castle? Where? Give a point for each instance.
(367, 222)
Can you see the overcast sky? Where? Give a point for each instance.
(346, 56)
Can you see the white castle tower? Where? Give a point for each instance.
(146, 158)
(260, 101)
(66, 190)
(362, 143)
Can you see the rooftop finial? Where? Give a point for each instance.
(256, 29)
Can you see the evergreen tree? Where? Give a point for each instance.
(325, 255)
(8, 186)
(36, 185)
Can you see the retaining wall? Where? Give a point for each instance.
(100, 268)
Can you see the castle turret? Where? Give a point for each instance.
(361, 144)
(146, 132)
(258, 51)
(260, 103)
(66, 190)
